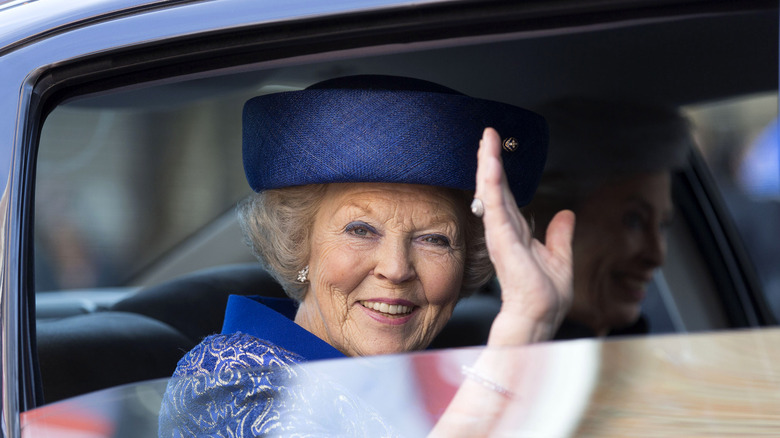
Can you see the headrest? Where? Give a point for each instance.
(385, 129)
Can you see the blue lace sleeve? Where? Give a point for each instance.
(239, 386)
(228, 385)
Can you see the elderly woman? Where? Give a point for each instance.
(367, 212)
(610, 162)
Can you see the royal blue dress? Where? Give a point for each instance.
(246, 382)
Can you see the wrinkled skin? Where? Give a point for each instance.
(397, 244)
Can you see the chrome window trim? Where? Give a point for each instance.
(38, 21)
(24, 36)
(10, 270)
(668, 299)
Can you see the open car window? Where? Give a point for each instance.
(738, 140)
(136, 183)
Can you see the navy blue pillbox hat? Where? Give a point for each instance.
(373, 128)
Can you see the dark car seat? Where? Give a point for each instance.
(195, 304)
(143, 336)
(84, 353)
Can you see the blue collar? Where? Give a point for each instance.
(271, 319)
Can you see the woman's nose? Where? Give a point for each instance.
(655, 248)
(394, 262)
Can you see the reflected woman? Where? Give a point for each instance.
(611, 162)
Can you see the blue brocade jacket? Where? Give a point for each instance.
(246, 382)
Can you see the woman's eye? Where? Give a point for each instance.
(359, 229)
(437, 239)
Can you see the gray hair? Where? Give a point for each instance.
(276, 225)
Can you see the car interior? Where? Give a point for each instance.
(137, 245)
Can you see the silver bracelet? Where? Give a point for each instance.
(472, 374)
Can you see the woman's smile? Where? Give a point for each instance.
(390, 314)
(633, 287)
(395, 310)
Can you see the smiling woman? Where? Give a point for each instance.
(362, 213)
(617, 158)
(378, 248)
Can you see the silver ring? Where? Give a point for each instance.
(477, 207)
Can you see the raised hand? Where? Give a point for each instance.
(535, 278)
(536, 291)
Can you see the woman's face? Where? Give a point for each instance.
(620, 239)
(385, 269)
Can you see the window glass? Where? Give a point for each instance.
(738, 139)
(120, 183)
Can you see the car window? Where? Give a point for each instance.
(135, 187)
(121, 184)
(738, 140)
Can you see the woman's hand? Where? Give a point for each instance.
(535, 279)
(536, 291)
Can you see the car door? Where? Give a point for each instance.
(119, 126)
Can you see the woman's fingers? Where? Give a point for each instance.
(502, 218)
(535, 279)
(559, 263)
(490, 173)
(506, 231)
(559, 235)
